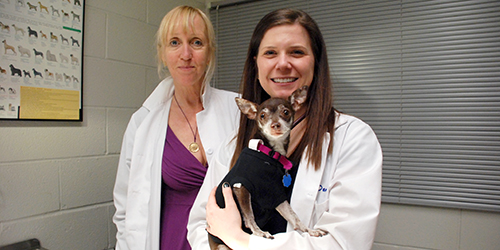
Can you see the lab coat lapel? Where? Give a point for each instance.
(145, 171)
(306, 186)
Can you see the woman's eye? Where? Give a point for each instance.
(298, 52)
(174, 43)
(197, 43)
(269, 52)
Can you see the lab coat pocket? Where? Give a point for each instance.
(319, 210)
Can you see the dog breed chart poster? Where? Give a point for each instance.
(41, 59)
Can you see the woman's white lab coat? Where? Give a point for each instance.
(137, 192)
(342, 197)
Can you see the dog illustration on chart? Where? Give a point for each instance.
(4, 27)
(49, 75)
(8, 47)
(50, 57)
(67, 78)
(64, 40)
(64, 59)
(18, 30)
(54, 11)
(65, 15)
(38, 53)
(37, 73)
(74, 42)
(76, 17)
(32, 32)
(74, 60)
(24, 51)
(32, 7)
(26, 74)
(43, 35)
(14, 71)
(53, 38)
(43, 7)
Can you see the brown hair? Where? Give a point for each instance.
(320, 112)
(184, 16)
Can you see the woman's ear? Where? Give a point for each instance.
(164, 59)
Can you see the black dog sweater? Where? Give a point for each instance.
(262, 175)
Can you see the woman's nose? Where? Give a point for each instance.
(186, 52)
(283, 62)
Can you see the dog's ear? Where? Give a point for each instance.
(298, 97)
(247, 107)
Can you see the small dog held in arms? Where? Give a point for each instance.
(259, 178)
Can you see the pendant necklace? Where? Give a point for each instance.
(193, 147)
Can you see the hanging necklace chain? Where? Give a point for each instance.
(296, 122)
(193, 147)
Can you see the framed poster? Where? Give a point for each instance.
(41, 59)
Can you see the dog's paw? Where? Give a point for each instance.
(317, 232)
(222, 247)
(266, 235)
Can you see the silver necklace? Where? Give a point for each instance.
(193, 147)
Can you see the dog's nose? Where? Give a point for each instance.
(276, 125)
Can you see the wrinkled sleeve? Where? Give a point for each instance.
(122, 182)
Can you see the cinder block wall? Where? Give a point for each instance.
(56, 178)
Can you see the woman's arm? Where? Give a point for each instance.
(121, 189)
(225, 223)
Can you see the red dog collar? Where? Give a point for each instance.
(287, 164)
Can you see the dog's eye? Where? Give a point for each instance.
(262, 116)
(286, 112)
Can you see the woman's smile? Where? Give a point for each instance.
(284, 80)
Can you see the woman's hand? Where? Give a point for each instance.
(225, 223)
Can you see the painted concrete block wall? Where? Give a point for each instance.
(56, 178)
(418, 228)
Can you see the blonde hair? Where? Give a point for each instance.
(184, 16)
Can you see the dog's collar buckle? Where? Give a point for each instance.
(287, 164)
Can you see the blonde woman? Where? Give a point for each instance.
(172, 137)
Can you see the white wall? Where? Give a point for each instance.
(418, 228)
(56, 178)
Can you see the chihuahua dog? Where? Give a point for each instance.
(257, 176)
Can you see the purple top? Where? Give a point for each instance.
(182, 177)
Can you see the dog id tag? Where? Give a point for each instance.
(287, 179)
